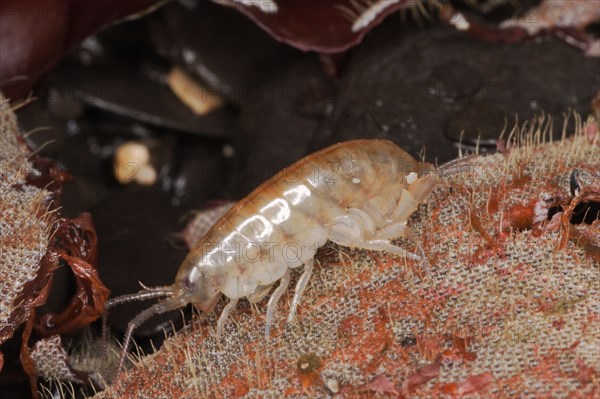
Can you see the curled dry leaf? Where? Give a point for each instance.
(27, 362)
(326, 26)
(75, 243)
(34, 242)
(25, 228)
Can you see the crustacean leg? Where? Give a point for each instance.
(224, 315)
(410, 199)
(350, 231)
(396, 230)
(393, 230)
(259, 293)
(272, 305)
(384, 245)
(172, 303)
(300, 286)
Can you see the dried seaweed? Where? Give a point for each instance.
(34, 242)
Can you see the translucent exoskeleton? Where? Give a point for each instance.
(358, 194)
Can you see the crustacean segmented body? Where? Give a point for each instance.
(357, 194)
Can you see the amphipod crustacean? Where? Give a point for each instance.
(358, 194)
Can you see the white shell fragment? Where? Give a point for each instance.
(196, 97)
(132, 164)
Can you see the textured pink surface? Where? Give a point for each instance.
(507, 310)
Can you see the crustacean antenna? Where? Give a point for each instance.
(458, 165)
(175, 299)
